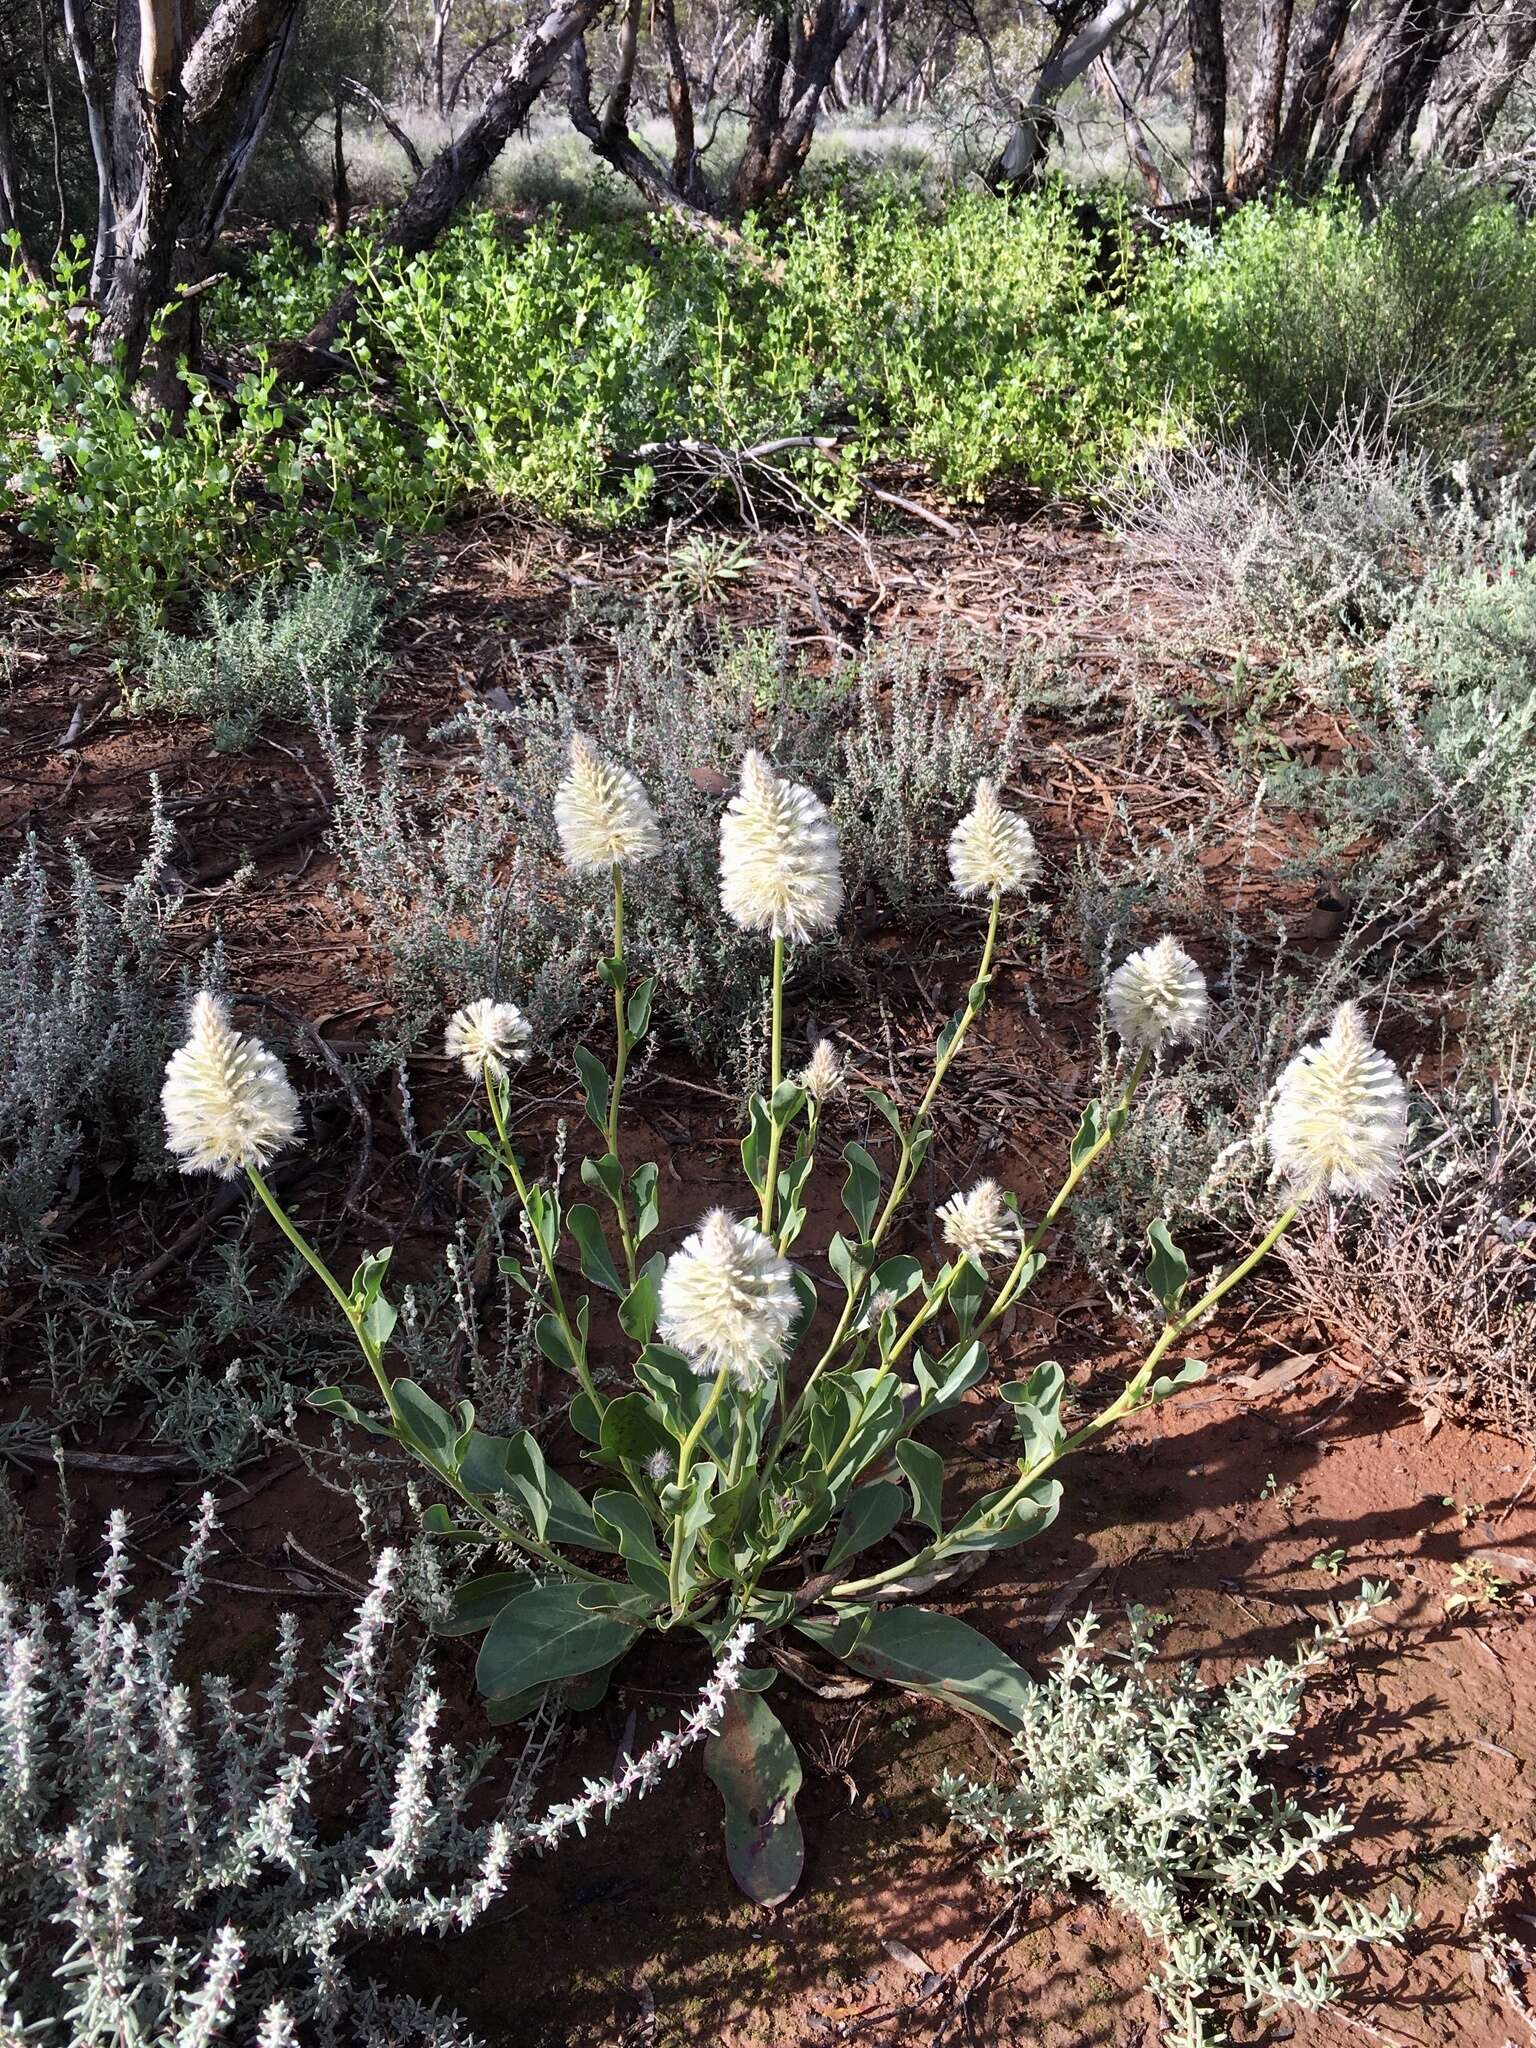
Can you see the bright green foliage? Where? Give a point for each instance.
(1035, 339)
(1421, 321)
(992, 340)
(1151, 1792)
(133, 508)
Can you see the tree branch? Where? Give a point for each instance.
(356, 90)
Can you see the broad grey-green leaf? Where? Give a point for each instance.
(424, 1424)
(925, 1475)
(546, 1634)
(753, 1764)
(931, 1653)
(596, 1259)
(870, 1516)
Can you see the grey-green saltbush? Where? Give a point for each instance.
(263, 655)
(460, 881)
(85, 1024)
(1152, 1794)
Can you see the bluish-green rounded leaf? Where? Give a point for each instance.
(546, 1634)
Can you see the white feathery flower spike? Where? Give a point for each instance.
(979, 1224)
(991, 848)
(822, 1075)
(728, 1301)
(228, 1103)
(1340, 1116)
(486, 1037)
(778, 856)
(1157, 997)
(602, 813)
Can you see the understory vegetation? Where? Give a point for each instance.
(1153, 1794)
(610, 372)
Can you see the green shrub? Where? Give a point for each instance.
(1419, 323)
(135, 508)
(1150, 1793)
(263, 655)
(1034, 339)
(996, 339)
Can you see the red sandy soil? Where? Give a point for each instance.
(1213, 1509)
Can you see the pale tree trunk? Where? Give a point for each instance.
(1261, 128)
(1078, 45)
(1116, 96)
(147, 124)
(98, 126)
(171, 141)
(442, 14)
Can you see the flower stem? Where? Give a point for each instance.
(899, 1186)
(684, 1463)
(1125, 1403)
(620, 1066)
(374, 1355)
(775, 1076)
(905, 1169)
(812, 1131)
(574, 1343)
(1080, 1168)
(925, 1315)
(317, 1265)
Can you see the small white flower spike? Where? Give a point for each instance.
(487, 1037)
(979, 1224)
(822, 1075)
(778, 857)
(602, 814)
(1340, 1117)
(1157, 997)
(991, 848)
(728, 1301)
(228, 1103)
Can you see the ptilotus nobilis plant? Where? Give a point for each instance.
(737, 1470)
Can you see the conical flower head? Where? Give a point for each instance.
(228, 1103)
(778, 856)
(486, 1037)
(602, 813)
(1157, 997)
(728, 1301)
(991, 848)
(1340, 1116)
(979, 1224)
(822, 1075)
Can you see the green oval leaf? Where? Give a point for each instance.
(753, 1765)
(547, 1634)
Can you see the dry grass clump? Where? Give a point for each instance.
(1436, 1284)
